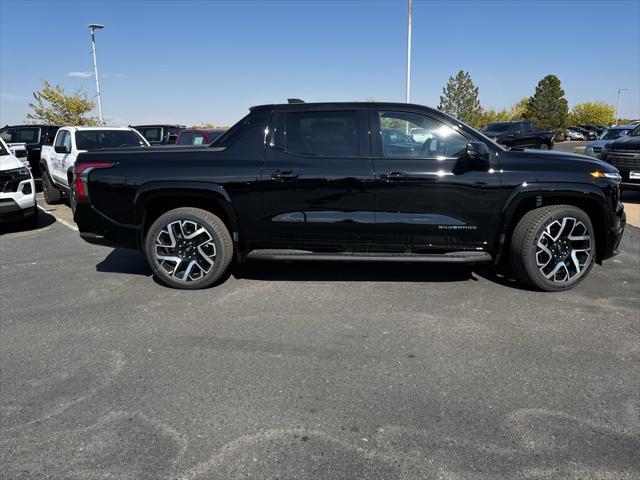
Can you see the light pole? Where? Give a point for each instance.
(620, 90)
(94, 27)
(408, 87)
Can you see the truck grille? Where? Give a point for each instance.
(5, 182)
(624, 160)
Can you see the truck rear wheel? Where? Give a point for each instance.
(51, 194)
(553, 248)
(189, 248)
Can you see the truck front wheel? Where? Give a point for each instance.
(51, 194)
(189, 248)
(553, 248)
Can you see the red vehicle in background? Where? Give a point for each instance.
(199, 136)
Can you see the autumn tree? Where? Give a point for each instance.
(548, 109)
(519, 109)
(53, 106)
(460, 98)
(592, 113)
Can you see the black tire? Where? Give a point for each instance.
(52, 195)
(170, 236)
(533, 238)
(543, 146)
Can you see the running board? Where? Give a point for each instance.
(304, 255)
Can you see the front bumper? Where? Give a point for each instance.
(19, 204)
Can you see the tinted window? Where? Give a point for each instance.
(497, 127)
(28, 135)
(322, 133)
(527, 128)
(96, 139)
(185, 138)
(153, 134)
(6, 135)
(411, 135)
(63, 139)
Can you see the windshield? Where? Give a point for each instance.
(613, 133)
(3, 149)
(97, 139)
(497, 127)
(636, 132)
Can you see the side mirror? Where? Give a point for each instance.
(61, 149)
(479, 152)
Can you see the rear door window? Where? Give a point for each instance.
(330, 134)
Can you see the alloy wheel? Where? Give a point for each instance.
(563, 250)
(185, 250)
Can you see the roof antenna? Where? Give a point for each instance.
(294, 100)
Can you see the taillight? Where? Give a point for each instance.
(80, 178)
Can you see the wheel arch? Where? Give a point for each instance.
(589, 198)
(155, 198)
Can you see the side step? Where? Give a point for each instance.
(304, 255)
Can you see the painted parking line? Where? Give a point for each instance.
(57, 211)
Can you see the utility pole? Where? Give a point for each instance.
(620, 90)
(408, 87)
(94, 27)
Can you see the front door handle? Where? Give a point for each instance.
(391, 176)
(284, 175)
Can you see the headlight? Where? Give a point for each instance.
(612, 175)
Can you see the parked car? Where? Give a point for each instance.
(321, 182)
(34, 136)
(624, 154)
(573, 135)
(199, 136)
(160, 134)
(587, 134)
(520, 134)
(598, 130)
(19, 150)
(17, 189)
(594, 149)
(57, 160)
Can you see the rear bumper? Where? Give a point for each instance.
(97, 229)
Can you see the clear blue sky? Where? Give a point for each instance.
(208, 61)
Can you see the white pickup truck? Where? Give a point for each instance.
(57, 161)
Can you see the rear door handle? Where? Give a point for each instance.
(391, 176)
(284, 175)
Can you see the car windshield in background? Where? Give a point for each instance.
(97, 139)
(636, 132)
(3, 151)
(151, 134)
(614, 133)
(497, 127)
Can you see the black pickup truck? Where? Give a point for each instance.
(521, 134)
(35, 136)
(624, 154)
(322, 182)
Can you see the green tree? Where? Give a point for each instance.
(492, 115)
(592, 113)
(519, 109)
(548, 109)
(54, 106)
(460, 99)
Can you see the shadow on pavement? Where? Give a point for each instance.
(134, 263)
(44, 220)
(125, 261)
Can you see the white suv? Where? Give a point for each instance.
(17, 189)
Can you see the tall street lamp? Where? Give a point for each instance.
(93, 27)
(620, 90)
(408, 87)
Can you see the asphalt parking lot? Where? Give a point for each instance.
(311, 371)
